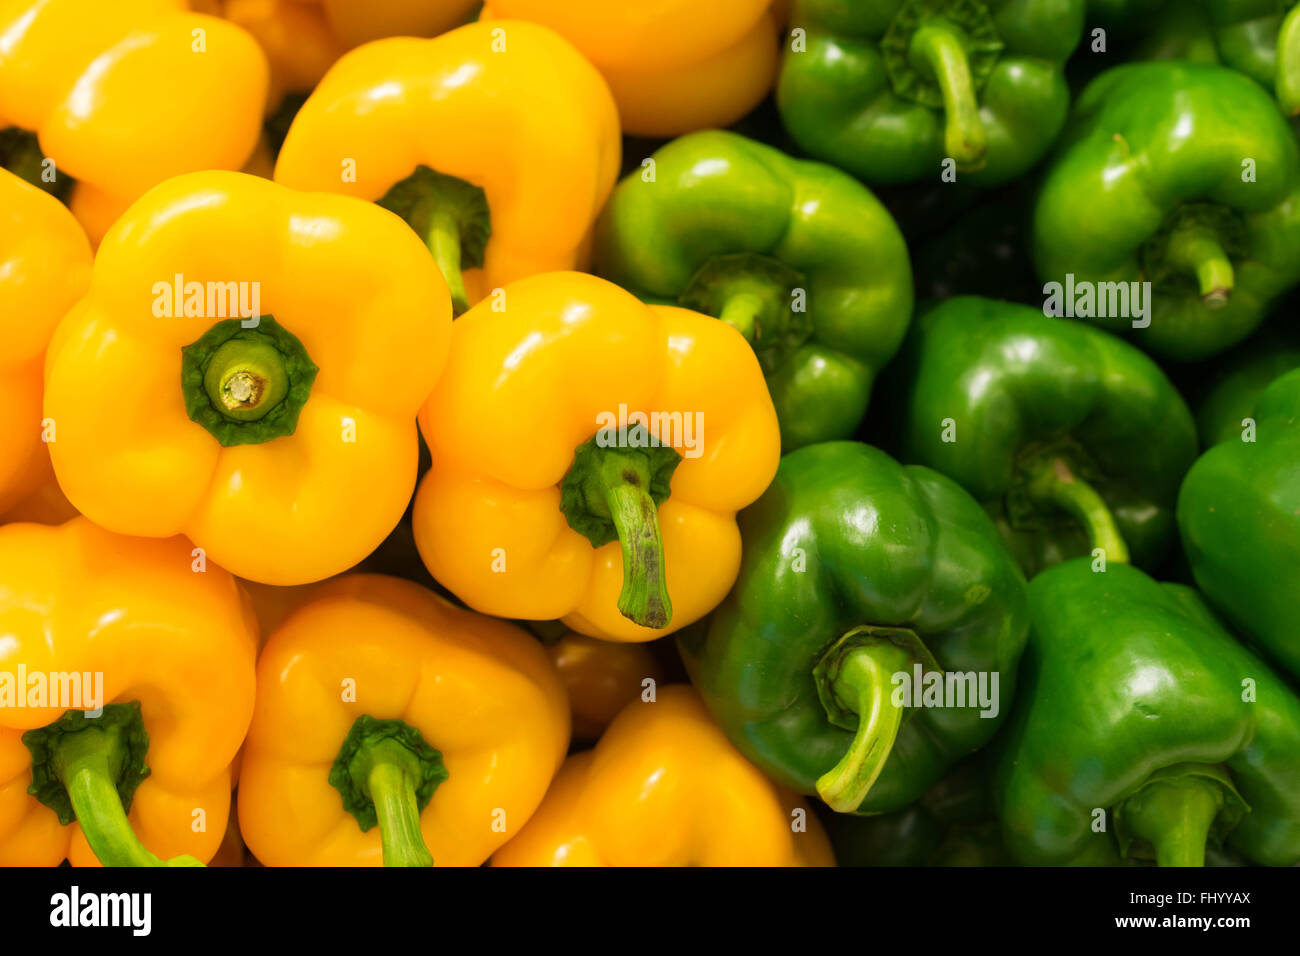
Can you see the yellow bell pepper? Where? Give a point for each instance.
(93, 619)
(378, 702)
(549, 498)
(664, 787)
(674, 66)
(283, 444)
(600, 678)
(303, 38)
(123, 95)
(44, 268)
(498, 144)
(46, 504)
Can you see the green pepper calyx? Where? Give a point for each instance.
(20, 153)
(940, 53)
(755, 294)
(613, 490)
(451, 216)
(386, 773)
(87, 769)
(246, 385)
(1055, 485)
(855, 682)
(1175, 811)
(1194, 249)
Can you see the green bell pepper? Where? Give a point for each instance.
(953, 824)
(1239, 514)
(889, 89)
(860, 580)
(1260, 38)
(1073, 439)
(1182, 175)
(1239, 381)
(1142, 730)
(796, 255)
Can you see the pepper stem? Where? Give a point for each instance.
(938, 46)
(386, 773)
(741, 312)
(246, 378)
(88, 763)
(1056, 484)
(443, 240)
(389, 774)
(624, 483)
(1198, 251)
(1175, 816)
(862, 684)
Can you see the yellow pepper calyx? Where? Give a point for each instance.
(451, 216)
(386, 773)
(612, 490)
(87, 769)
(246, 385)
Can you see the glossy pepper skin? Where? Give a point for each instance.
(857, 569)
(1239, 514)
(1071, 438)
(674, 66)
(1154, 182)
(303, 38)
(539, 505)
(1239, 381)
(890, 89)
(83, 76)
(601, 677)
(664, 787)
(176, 644)
(497, 142)
(362, 701)
(796, 255)
(45, 263)
(283, 445)
(1134, 700)
(953, 824)
(1260, 38)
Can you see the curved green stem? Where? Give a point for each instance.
(1056, 483)
(88, 763)
(1199, 252)
(389, 774)
(443, 240)
(1288, 63)
(624, 481)
(1175, 817)
(863, 684)
(741, 312)
(386, 773)
(939, 47)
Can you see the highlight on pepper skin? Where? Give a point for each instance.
(790, 434)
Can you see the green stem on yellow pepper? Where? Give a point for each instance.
(443, 240)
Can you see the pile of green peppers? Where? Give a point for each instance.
(1022, 275)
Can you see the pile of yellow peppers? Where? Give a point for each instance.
(226, 338)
